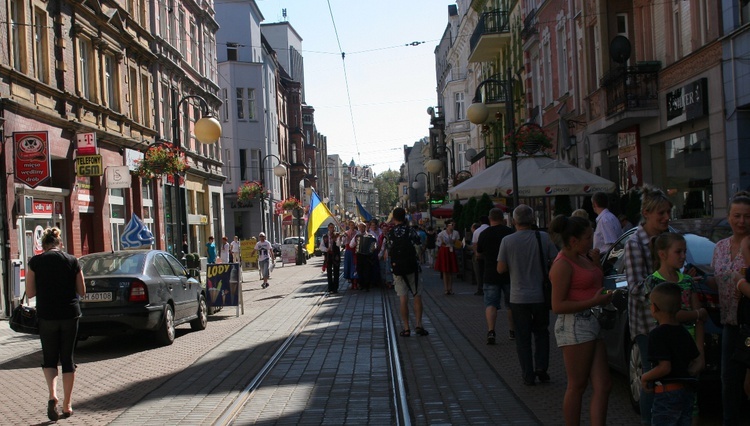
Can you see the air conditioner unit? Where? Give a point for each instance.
(24, 204)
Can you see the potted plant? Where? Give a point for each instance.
(529, 138)
(162, 159)
(290, 203)
(248, 191)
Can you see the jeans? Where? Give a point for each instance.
(646, 400)
(531, 318)
(673, 408)
(333, 276)
(58, 339)
(732, 376)
(478, 265)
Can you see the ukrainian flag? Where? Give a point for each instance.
(316, 215)
(362, 213)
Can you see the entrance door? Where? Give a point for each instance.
(87, 233)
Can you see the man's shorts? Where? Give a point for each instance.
(406, 285)
(493, 293)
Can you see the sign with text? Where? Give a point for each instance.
(223, 284)
(688, 102)
(89, 165)
(86, 143)
(33, 164)
(118, 177)
(42, 207)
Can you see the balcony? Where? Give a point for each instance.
(491, 33)
(494, 95)
(634, 88)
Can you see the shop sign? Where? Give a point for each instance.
(42, 207)
(86, 143)
(118, 177)
(630, 173)
(89, 165)
(688, 102)
(33, 164)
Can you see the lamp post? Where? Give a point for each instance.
(279, 170)
(417, 185)
(207, 130)
(298, 213)
(478, 113)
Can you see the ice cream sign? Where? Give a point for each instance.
(33, 164)
(136, 235)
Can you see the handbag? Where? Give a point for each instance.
(24, 319)
(741, 352)
(605, 315)
(546, 283)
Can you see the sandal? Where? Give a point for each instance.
(449, 293)
(405, 333)
(66, 414)
(422, 332)
(52, 410)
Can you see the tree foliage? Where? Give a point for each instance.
(563, 205)
(484, 206)
(467, 218)
(387, 186)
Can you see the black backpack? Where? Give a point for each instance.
(401, 251)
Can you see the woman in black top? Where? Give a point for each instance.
(56, 279)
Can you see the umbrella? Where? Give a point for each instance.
(538, 176)
(445, 211)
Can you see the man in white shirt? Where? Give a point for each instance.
(234, 248)
(224, 253)
(608, 228)
(265, 251)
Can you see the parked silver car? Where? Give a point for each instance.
(139, 290)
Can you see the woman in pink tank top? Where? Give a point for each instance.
(577, 279)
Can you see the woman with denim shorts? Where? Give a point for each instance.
(577, 278)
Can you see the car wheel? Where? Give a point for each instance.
(200, 323)
(165, 334)
(635, 371)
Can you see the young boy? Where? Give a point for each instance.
(674, 357)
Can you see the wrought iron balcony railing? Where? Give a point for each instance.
(632, 88)
(494, 22)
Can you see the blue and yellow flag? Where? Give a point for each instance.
(316, 215)
(361, 212)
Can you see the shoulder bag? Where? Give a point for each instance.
(24, 319)
(546, 283)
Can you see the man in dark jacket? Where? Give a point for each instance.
(494, 284)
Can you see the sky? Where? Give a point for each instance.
(391, 83)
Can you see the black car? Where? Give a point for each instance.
(139, 290)
(622, 352)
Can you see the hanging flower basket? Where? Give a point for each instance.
(529, 138)
(290, 203)
(248, 191)
(162, 159)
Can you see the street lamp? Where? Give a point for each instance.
(279, 170)
(477, 113)
(416, 185)
(207, 130)
(298, 213)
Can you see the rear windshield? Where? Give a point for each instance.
(701, 249)
(113, 264)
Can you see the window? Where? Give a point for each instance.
(147, 193)
(225, 96)
(255, 164)
(18, 18)
(231, 51)
(459, 106)
(85, 64)
(111, 83)
(562, 60)
(193, 52)
(166, 112)
(240, 92)
(228, 165)
(133, 86)
(243, 165)
(145, 101)
(41, 46)
(250, 104)
(117, 216)
(163, 20)
(744, 11)
(181, 45)
(677, 33)
(547, 73)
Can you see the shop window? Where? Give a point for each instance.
(117, 216)
(147, 194)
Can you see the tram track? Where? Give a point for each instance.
(396, 378)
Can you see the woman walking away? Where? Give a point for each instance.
(55, 278)
(446, 258)
(655, 209)
(727, 263)
(577, 278)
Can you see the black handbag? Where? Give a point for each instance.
(546, 283)
(606, 315)
(24, 319)
(741, 352)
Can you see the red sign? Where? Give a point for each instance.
(86, 143)
(33, 164)
(42, 207)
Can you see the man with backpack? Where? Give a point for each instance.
(400, 243)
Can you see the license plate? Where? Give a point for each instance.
(97, 297)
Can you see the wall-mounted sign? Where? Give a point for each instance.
(89, 165)
(86, 143)
(688, 102)
(42, 207)
(118, 177)
(33, 164)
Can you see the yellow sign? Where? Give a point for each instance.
(89, 165)
(246, 251)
